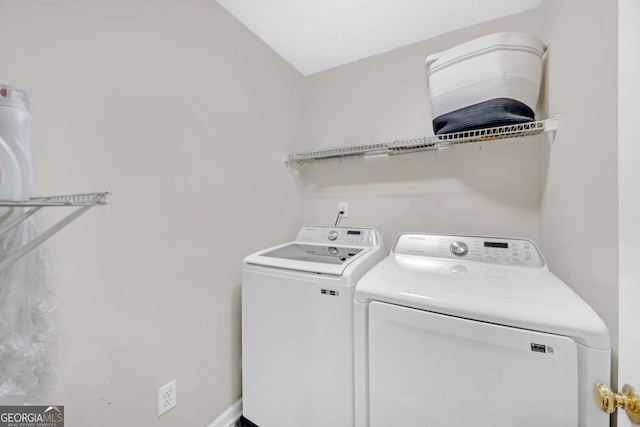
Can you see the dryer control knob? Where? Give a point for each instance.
(459, 248)
(333, 235)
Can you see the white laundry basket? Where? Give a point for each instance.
(490, 81)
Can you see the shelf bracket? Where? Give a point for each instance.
(19, 220)
(84, 202)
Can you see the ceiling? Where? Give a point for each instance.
(315, 35)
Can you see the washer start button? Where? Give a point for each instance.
(459, 248)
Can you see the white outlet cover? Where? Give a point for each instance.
(315, 35)
(167, 397)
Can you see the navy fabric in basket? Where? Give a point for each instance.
(492, 113)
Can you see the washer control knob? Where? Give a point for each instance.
(459, 248)
(333, 235)
(333, 251)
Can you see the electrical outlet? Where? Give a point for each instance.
(344, 207)
(166, 397)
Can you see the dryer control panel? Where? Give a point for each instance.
(493, 250)
(338, 236)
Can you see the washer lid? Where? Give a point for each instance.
(305, 257)
(321, 250)
(520, 296)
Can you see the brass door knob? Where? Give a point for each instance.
(609, 401)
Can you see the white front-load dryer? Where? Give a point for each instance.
(459, 331)
(297, 327)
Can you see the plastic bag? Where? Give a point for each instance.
(27, 305)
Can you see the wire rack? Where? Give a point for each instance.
(428, 142)
(81, 202)
(85, 199)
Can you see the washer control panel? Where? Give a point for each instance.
(336, 236)
(493, 250)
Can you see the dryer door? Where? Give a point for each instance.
(427, 369)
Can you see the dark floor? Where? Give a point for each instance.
(243, 422)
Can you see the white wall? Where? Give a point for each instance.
(579, 204)
(183, 115)
(629, 175)
(561, 193)
(489, 190)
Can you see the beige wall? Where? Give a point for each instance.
(183, 115)
(562, 193)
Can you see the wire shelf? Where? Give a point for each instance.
(85, 199)
(427, 143)
(81, 202)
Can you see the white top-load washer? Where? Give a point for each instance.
(474, 331)
(297, 327)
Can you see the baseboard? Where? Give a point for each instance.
(230, 417)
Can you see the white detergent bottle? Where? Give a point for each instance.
(16, 175)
